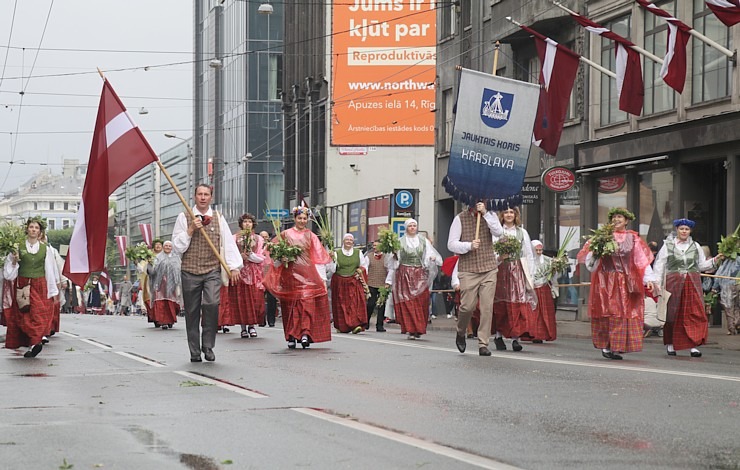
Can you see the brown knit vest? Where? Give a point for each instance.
(376, 272)
(199, 257)
(481, 260)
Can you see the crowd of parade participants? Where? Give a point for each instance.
(501, 296)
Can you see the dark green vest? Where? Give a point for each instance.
(346, 265)
(32, 264)
(682, 261)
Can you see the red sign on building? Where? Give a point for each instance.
(559, 179)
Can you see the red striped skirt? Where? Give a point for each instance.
(246, 304)
(544, 327)
(413, 312)
(689, 327)
(57, 309)
(165, 312)
(348, 303)
(224, 309)
(26, 329)
(308, 317)
(621, 335)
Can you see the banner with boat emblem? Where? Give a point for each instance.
(491, 137)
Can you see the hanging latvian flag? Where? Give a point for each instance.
(673, 71)
(491, 138)
(728, 11)
(146, 234)
(121, 241)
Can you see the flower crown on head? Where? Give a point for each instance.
(620, 211)
(301, 210)
(38, 220)
(687, 222)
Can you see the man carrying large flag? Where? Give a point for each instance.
(559, 68)
(119, 150)
(630, 88)
(674, 63)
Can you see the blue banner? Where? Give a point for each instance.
(491, 138)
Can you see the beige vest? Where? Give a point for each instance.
(199, 258)
(376, 272)
(483, 259)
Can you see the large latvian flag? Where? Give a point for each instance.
(491, 138)
(728, 11)
(673, 71)
(557, 75)
(119, 150)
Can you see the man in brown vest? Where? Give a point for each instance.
(376, 274)
(476, 270)
(201, 270)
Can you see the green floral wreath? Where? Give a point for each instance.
(620, 211)
(38, 220)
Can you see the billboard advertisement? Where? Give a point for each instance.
(383, 72)
(358, 222)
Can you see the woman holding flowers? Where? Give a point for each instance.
(515, 300)
(295, 279)
(545, 287)
(619, 261)
(32, 268)
(348, 285)
(411, 271)
(246, 298)
(677, 271)
(165, 276)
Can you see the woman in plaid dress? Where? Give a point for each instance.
(411, 272)
(618, 284)
(545, 286)
(677, 271)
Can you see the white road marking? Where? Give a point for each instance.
(224, 385)
(515, 357)
(472, 459)
(96, 344)
(143, 360)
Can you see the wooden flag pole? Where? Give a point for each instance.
(187, 206)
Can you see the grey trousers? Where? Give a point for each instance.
(201, 295)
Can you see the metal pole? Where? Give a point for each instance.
(128, 226)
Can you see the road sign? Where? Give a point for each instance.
(277, 213)
(404, 203)
(398, 226)
(404, 199)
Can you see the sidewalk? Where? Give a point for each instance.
(718, 337)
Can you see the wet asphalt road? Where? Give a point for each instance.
(116, 393)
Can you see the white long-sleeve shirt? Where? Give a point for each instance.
(181, 239)
(460, 247)
(10, 270)
(659, 266)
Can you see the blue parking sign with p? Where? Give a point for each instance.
(404, 199)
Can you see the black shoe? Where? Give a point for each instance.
(611, 355)
(252, 332)
(471, 335)
(695, 353)
(52, 333)
(44, 340)
(196, 359)
(380, 330)
(291, 343)
(305, 342)
(271, 325)
(537, 341)
(208, 354)
(225, 330)
(671, 353)
(500, 345)
(516, 346)
(34, 351)
(460, 342)
(484, 351)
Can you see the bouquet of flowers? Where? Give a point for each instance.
(382, 296)
(388, 241)
(601, 241)
(560, 262)
(730, 246)
(508, 246)
(283, 251)
(139, 252)
(245, 242)
(11, 237)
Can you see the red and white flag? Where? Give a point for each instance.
(146, 234)
(674, 62)
(630, 88)
(557, 75)
(728, 11)
(121, 242)
(119, 150)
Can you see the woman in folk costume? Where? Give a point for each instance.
(411, 272)
(618, 285)
(145, 283)
(545, 286)
(677, 271)
(729, 293)
(166, 300)
(348, 287)
(32, 269)
(300, 285)
(247, 297)
(515, 301)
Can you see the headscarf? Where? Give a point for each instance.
(348, 235)
(536, 243)
(410, 221)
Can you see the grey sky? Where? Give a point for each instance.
(54, 125)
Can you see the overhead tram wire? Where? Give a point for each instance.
(10, 36)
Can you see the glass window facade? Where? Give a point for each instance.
(710, 68)
(610, 112)
(658, 96)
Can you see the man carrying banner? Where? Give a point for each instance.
(476, 271)
(201, 276)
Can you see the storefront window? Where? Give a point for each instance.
(656, 210)
(612, 192)
(569, 217)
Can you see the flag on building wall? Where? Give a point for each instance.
(107, 283)
(728, 11)
(121, 242)
(146, 234)
(119, 150)
(673, 71)
(557, 75)
(491, 138)
(630, 87)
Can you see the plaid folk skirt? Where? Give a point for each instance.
(348, 303)
(308, 317)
